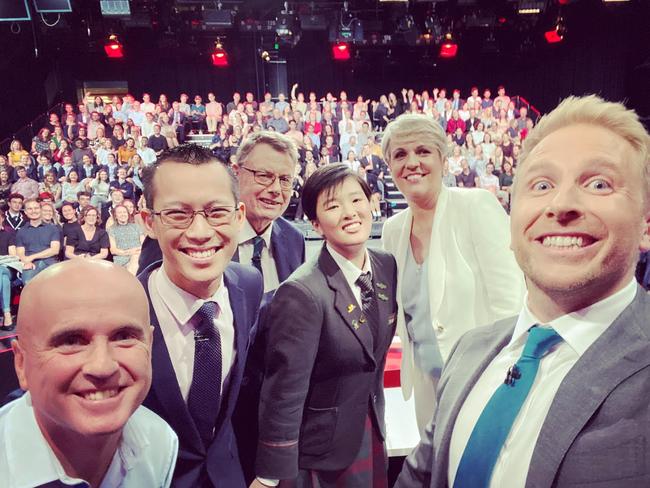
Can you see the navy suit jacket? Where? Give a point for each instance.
(216, 465)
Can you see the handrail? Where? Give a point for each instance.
(530, 106)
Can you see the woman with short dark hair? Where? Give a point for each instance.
(329, 327)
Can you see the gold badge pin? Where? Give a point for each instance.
(382, 286)
(382, 297)
(351, 308)
(362, 320)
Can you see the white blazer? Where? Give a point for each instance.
(474, 279)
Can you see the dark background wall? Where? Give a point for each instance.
(605, 51)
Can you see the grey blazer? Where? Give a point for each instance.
(597, 431)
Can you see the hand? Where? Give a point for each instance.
(404, 91)
(258, 484)
(28, 265)
(295, 85)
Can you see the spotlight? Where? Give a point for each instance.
(556, 34)
(448, 48)
(113, 47)
(341, 51)
(219, 56)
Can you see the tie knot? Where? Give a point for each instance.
(540, 340)
(206, 315)
(365, 282)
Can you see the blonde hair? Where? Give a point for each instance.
(277, 141)
(414, 125)
(593, 110)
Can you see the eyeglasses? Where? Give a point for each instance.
(267, 179)
(182, 219)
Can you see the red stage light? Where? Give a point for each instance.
(341, 51)
(448, 49)
(553, 36)
(219, 56)
(113, 47)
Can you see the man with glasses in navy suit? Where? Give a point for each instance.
(203, 308)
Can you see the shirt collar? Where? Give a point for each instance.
(581, 328)
(247, 233)
(182, 304)
(350, 271)
(27, 446)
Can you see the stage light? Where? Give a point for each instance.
(556, 34)
(113, 47)
(219, 56)
(448, 48)
(341, 51)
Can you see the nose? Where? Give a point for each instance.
(199, 229)
(101, 363)
(565, 205)
(412, 160)
(275, 186)
(349, 210)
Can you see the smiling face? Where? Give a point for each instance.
(578, 214)
(84, 357)
(194, 258)
(416, 166)
(343, 217)
(264, 203)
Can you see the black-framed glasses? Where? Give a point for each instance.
(182, 219)
(267, 179)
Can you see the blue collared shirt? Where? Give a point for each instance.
(145, 457)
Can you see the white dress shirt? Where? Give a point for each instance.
(175, 309)
(145, 456)
(579, 330)
(351, 271)
(245, 249)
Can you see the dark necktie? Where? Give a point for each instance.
(205, 392)
(494, 424)
(368, 299)
(258, 245)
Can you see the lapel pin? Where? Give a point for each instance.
(351, 308)
(382, 286)
(355, 324)
(362, 320)
(382, 297)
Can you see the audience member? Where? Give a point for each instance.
(37, 244)
(87, 240)
(24, 185)
(126, 239)
(9, 264)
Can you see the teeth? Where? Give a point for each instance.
(563, 242)
(201, 254)
(352, 226)
(100, 395)
(414, 177)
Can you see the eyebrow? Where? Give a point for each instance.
(62, 334)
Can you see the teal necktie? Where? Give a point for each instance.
(495, 422)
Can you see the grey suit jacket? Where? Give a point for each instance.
(597, 431)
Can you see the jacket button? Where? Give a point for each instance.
(374, 399)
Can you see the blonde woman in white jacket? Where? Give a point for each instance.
(452, 245)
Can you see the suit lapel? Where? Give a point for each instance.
(346, 304)
(384, 290)
(475, 359)
(622, 350)
(240, 320)
(436, 268)
(164, 383)
(279, 252)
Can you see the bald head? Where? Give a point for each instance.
(84, 349)
(79, 283)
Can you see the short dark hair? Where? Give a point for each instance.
(187, 154)
(83, 193)
(16, 195)
(327, 179)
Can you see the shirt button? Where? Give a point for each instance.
(440, 328)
